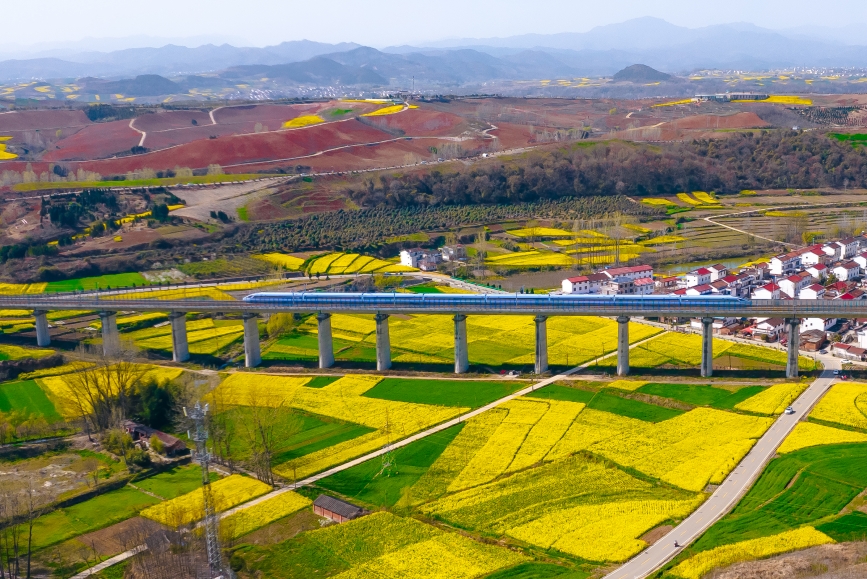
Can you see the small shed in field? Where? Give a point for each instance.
(336, 510)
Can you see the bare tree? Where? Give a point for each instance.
(102, 394)
(260, 432)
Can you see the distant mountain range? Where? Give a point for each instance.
(599, 52)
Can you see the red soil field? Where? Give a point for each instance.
(272, 115)
(245, 148)
(420, 123)
(31, 120)
(158, 140)
(735, 121)
(94, 141)
(512, 136)
(171, 120)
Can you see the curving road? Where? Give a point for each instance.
(733, 488)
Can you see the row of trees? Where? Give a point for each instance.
(743, 161)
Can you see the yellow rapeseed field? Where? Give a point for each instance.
(672, 103)
(436, 480)
(189, 508)
(687, 199)
(657, 201)
(511, 437)
(812, 434)
(627, 385)
(846, 403)
(257, 516)
(704, 197)
(342, 400)
(349, 263)
(773, 400)
(385, 111)
(4, 154)
(689, 451)
(662, 239)
(446, 556)
(209, 293)
(530, 259)
(289, 262)
(698, 565)
(782, 99)
(541, 232)
(11, 289)
(383, 545)
(303, 121)
(605, 532)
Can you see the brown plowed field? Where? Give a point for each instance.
(31, 120)
(158, 140)
(735, 121)
(421, 123)
(244, 148)
(171, 120)
(93, 142)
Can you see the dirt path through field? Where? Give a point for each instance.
(228, 198)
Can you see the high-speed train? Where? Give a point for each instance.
(316, 300)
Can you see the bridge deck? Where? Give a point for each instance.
(515, 304)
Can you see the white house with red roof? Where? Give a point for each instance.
(769, 291)
(644, 286)
(861, 259)
(812, 292)
(847, 271)
(699, 290)
(629, 273)
(818, 271)
(786, 263)
(700, 276)
(718, 271)
(813, 255)
(793, 284)
(585, 284)
(834, 250)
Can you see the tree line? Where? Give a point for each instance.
(767, 160)
(373, 227)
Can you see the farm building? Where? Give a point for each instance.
(336, 510)
(142, 435)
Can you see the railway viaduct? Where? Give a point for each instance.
(541, 307)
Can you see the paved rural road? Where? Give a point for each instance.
(733, 488)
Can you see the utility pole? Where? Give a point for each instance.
(212, 542)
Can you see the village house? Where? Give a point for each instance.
(818, 271)
(847, 271)
(453, 252)
(717, 271)
(700, 276)
(770, 327)
(813, 256)
(848, 352)
(770, 291)
(629, 273)
(785, 264)
(585, 284)
(699, 290)
(666, 283)
(813, 292)
(142, 434)
(420, 258)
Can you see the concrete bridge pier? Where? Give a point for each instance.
(794, 339)
(326, 344)
(252, 349)
(110, 337)
(43, 338)
(462, 355)
(383, 343)
(541, 344)
(706, 347)
(622, 345)
(180, 346)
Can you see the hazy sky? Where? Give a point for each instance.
(264, 22)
